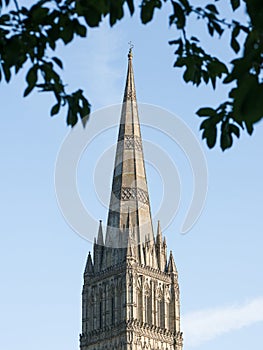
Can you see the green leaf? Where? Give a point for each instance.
(234, 129)
(218, 28)
(205, 76)
(55, 109)
(210, 136)
(130, 6)
(235, 4)
(72, 118)
(210, 28)
(213, 81)
(207, 124)
(31, 79)
(175, 42)
(5, 18)
(235, 45)
(116, 11)
(147, 9)
(226, 141)
(178, 16)
(218, 67)
(58, 62)
(206, 111)
(249, 127)
(7, 72)
(67, 33)
(236, 31)
(228, 79)
(92, 17)
(85, 111)
(189, 74)
(81, 30)
(186, 5)
(37, 13)
(212, 8)
(180, 62)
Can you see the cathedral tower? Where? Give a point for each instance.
(130, 297)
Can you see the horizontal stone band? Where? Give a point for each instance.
(132, 142)
(132, 193)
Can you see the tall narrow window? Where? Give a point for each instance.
(166, 315)
(113, 310)
(139, 305)
(100, 315)
(119, 305)
(130, 294)
(162, 324)
(145, 308)
(159, 317)
(149, 309)
(94, 315)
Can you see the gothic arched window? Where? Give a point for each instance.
(148, 309)
(113, 310)
(100, 314)
(160, 313)
(139, 305)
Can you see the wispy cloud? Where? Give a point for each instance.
(204, 325)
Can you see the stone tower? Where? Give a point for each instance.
(130, 297)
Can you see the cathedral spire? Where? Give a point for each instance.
(129, 186)
(130, 297)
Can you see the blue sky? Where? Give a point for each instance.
(42, 258)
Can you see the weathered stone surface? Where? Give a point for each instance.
(130, 296)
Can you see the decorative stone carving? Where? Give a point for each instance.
(130, 96)
(132, 142)
(132, 193)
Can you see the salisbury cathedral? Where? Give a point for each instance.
(130, 297)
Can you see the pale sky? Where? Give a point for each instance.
(42, 259)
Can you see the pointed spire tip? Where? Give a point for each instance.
(130, 54)
(130, 50)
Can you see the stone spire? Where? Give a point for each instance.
(89, 266)
(171, 264)
(129, 186)
(159, 234)
(100, 235)
(130, 297)
(160, 249)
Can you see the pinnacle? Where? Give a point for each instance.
(159, 233)
(100, 235)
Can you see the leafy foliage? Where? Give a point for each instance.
(245, 106)
(29, 35)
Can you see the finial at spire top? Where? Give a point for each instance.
(130, 50)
